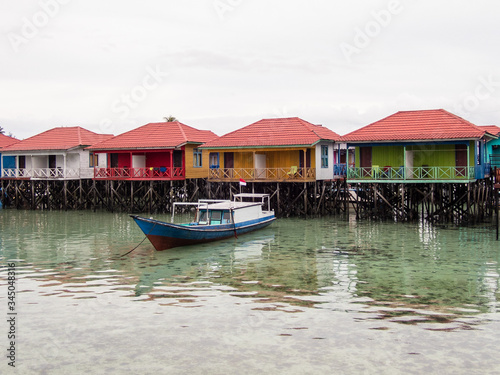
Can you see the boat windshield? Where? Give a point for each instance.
(202, 217)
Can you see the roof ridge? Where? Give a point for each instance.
(182, 130)
(280, 118)
(311, 127)
(462, 119)
(79, 135)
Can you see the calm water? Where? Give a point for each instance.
(316, 296)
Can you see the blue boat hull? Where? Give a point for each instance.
(166, 235)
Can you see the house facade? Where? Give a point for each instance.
(155, 151)
(7, 161)
(493, 146)
(56, 154)
(419, 146)
(281, 149)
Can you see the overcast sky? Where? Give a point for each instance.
(113, 65)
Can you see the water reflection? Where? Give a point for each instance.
(439, 278)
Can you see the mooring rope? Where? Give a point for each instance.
(128, 252)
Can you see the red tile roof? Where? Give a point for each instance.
(7, 141)
(492, 129)
(435, 124)
(275, 132)
(58, 139)
(156, 135)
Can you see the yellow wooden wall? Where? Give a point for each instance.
(275, 158)
(191, 171)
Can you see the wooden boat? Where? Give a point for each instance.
(214, 220)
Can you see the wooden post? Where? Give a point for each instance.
(357, 201)
(2, 191)
(112, 200)
(80, 195)
(47, 193)
(150, 197)
(278, 198)
(315, 208)
(403, 202)
(16, 194)
(172, 163)
(131, 196)
(33, 195)
(347, 197)
(94, 192)
(65, 189)
(496, 211)
(305, 199)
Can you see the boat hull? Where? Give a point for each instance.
(165, 236)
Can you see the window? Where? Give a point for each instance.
(214, 160)
(197, 158)
(324, 156)
(93, 160)
(203, 217)
(216, 217)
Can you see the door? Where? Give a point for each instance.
(229, 160)
(22, 162)
(52, 172)
(260, 165)
(308, 158)
(177, 159)
(409, 172)
(52, 161)
(365, 160)
(113, 160)
(461, 160)
(228, 164)
(342, 159)
(301, 161)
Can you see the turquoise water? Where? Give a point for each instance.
(302, 296)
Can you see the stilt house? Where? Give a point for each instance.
(280, 149)
(56, 154)
(419, 146)
(8, 162)
(493, 146)
(155, 151)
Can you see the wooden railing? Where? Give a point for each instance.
(411, 174)
(340, 169)
(263, 174)
(46, 173)
(175, 173)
